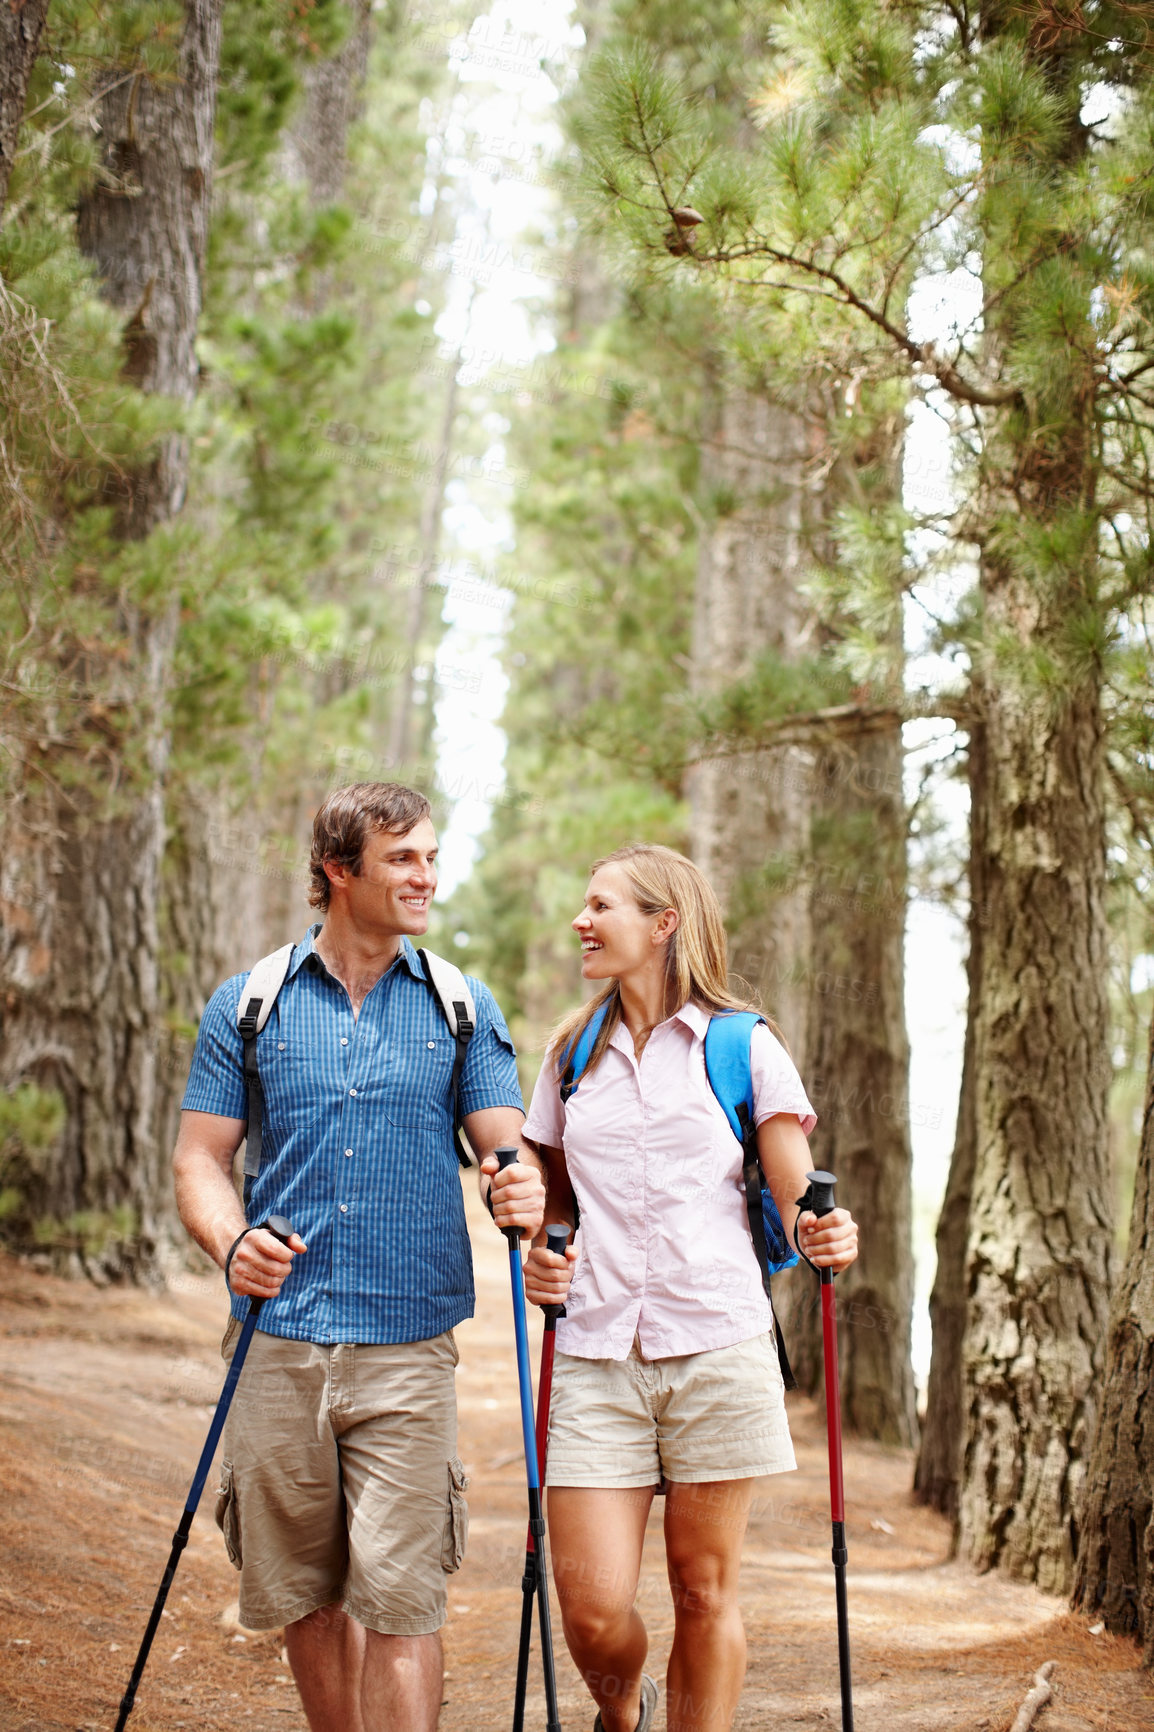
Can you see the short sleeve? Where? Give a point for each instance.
(216, 1079)
(777, 1088)
(545, 1125)
(490, 1076)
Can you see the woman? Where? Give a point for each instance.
(666, 1366)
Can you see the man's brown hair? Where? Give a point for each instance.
(348, 817)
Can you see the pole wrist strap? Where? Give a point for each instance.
(232, 1252)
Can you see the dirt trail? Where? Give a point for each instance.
(106, 1401)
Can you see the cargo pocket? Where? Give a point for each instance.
(456, 1519)
(227, 1514)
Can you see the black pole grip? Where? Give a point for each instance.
(556, 1240)
(820, 1193)
(506, 1154)
(280, 1229)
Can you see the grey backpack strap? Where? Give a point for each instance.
(456, 1001)
(257, 997)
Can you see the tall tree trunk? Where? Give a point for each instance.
(939, 1464)
(1041, 1238)
(1040, 1234)
(751, 813)
(316, 141)
(404, 716)
(84, 1008)
(21, 26)
(858, 1069)
(1114, 1579)
(806, 848)
(234, 879)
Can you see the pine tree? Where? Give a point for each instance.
(853, 194)
(796, 770)
(164, 675)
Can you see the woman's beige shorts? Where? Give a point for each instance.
(340, 1482)
(695, 1418)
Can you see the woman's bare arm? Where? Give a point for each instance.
(785, 1160)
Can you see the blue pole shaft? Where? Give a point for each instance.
(282, 1230)
(505, 1157)
(524, 1371)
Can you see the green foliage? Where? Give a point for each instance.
(31, 1121)
(264, 46)
(310, 353)
(99, 1236)
(594, 718)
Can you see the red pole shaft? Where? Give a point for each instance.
(544, 1391)
(832, 1397)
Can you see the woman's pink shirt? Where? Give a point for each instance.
(666, 1251)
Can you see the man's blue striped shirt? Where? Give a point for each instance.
(358, 1144)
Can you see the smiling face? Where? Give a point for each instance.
(393, 891)
(617, 937)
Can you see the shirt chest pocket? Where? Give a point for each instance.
(416, 1080)
(297, 1081)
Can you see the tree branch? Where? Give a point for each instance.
(924, 355)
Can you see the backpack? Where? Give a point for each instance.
(727, 1065)
(260, 993)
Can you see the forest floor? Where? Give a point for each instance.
(106, 1401)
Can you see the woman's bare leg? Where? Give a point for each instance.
(595, 1541)
(704, 1530)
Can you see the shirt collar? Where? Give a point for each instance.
(694, 1016)
(308, 944)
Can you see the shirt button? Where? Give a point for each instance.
(348, 1151)
(280, 1045)
(431, 1044)
(352, 1091)
(344, 1208)
(344, 1040)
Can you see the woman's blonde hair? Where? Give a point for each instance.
(696, 958)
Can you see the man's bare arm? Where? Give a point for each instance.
(211, 1210)
(518, 1192)
(547, 1276)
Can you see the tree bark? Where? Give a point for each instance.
(1041, 1234)
(83, 997)
(939, 1464)
(858, 1075)
(806, 849)
(316, 141)
(1114, 1579)
(750, 814)
(21, 26)
(1038, 1264)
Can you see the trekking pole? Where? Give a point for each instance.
(556, 1238)
(819, 1198)
(282, 1230)
(506, 1155)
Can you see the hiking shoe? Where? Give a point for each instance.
(648, 1706)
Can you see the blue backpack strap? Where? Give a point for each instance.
(730, 1073)
(576, 1056)
(572, 1066)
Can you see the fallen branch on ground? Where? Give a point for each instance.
(1037, 1698)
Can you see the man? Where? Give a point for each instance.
(342, 1496)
